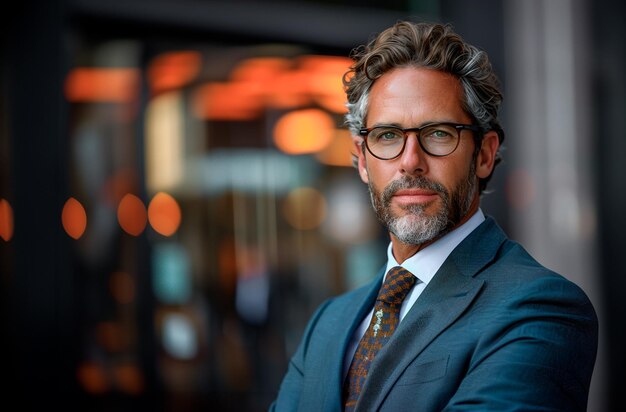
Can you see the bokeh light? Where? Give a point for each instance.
(171, 281)
(131, 214)
(6, 220)
(129, 378)
(74, 218)
(226, 101)
(180, 339)
(273, 81)
(339, 151)
(116, 85)
(326, 74)
(164, 141)
(304, 131)
(173, 70)
(164, 214)
(350, 218)
(305, 208)
(93, 378)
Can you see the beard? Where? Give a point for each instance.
(416, 226)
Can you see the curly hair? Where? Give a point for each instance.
(429, 45)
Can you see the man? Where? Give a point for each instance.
(465, 319)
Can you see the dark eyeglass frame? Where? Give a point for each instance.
(479, 131)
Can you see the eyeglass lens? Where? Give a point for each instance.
(437, 140)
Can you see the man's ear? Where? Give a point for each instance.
(357, 147)
(486, 159)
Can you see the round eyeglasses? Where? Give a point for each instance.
(436, 139)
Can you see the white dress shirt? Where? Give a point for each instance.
(423, 265)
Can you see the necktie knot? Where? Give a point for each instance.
(397, 285)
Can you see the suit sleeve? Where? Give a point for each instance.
(291, 387)
(537, 354)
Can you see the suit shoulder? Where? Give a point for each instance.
(520, 275)
(513, 259)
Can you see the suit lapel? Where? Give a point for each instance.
(446, 297)
(347, 317)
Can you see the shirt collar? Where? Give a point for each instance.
(425, 263)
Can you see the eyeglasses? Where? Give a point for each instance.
(436, 139)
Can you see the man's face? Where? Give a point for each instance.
(417, 196)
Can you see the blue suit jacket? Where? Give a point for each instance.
(493, 330)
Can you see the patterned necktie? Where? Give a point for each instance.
(398, 283)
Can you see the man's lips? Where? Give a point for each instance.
(414, 196)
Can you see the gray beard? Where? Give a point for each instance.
(416, 227)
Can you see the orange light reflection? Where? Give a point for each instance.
(164, 214)
(339, 151)
(289, 90)
(92, 378)
(226, 101)
(326, 86)
(74, 218)
(173, 70)
(129, 378)
(6, 220)
(262, 82)
(304, 131)
(118, 85)
(131, 214)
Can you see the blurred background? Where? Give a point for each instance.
(177, 196)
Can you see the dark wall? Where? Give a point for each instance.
(38, 291)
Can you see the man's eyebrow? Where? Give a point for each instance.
(399, 126)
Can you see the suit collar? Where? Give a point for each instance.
(477, 250)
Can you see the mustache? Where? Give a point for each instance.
(408, 182)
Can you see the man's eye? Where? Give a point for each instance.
(440, 134)
(388, 136)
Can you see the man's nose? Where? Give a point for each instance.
(413, 158)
